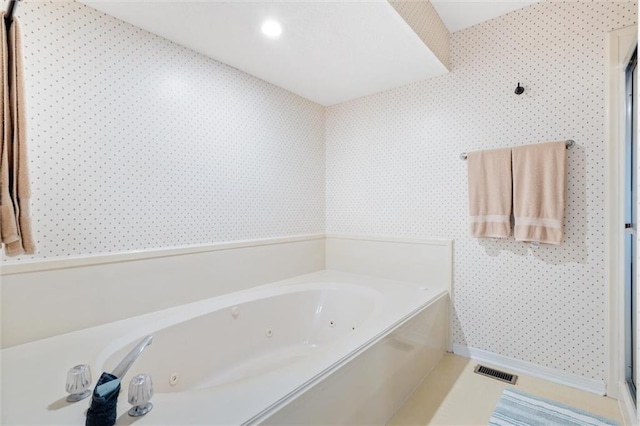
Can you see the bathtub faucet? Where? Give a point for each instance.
(103, 409)
(122, 368)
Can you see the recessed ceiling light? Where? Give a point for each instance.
(271, 28)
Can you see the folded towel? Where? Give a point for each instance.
(490, 193)
(539, 191)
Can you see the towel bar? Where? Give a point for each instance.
(569, 143)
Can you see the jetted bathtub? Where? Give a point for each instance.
(322, 348)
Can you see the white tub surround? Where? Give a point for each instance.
(243, 356)
(419, 260)
(74, 290)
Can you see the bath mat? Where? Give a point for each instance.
(522, 409)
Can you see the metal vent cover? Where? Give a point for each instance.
(496, 374)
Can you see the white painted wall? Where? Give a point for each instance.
(393, 169)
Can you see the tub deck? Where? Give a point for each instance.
(252, 390)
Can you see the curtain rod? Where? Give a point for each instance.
(569, 143)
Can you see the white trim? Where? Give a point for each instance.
(618, 45)
(530, 369)
(100, 259)
(626, 406)
(390, 239)
(78, 261)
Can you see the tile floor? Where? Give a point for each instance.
(453, 395)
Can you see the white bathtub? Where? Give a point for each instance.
(322, 348)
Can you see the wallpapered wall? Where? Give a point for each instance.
(137, 142)
(393, 169)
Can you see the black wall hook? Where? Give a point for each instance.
(519, 89)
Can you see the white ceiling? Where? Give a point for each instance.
(330, 51)
(460, 14)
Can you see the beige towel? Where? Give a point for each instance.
(539, 191)
(490, 193)
(15, 220)
(8, 223)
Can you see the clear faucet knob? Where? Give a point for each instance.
(140, 392)
(78, 382)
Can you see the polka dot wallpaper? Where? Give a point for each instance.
(393, 168)
(424, 20)
(139, 143)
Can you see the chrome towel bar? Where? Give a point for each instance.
(569, 143)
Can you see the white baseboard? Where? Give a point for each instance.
(530, 369)
(625, 403)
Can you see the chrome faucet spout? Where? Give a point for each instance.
(122, 368)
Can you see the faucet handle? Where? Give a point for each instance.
(78, 382)
(140, 392)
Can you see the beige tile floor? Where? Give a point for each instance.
(453, 395)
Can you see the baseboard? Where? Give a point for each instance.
(625, 403)
(530, 369)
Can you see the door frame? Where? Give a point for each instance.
(620, 45)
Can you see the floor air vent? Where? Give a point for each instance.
(496, 374)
